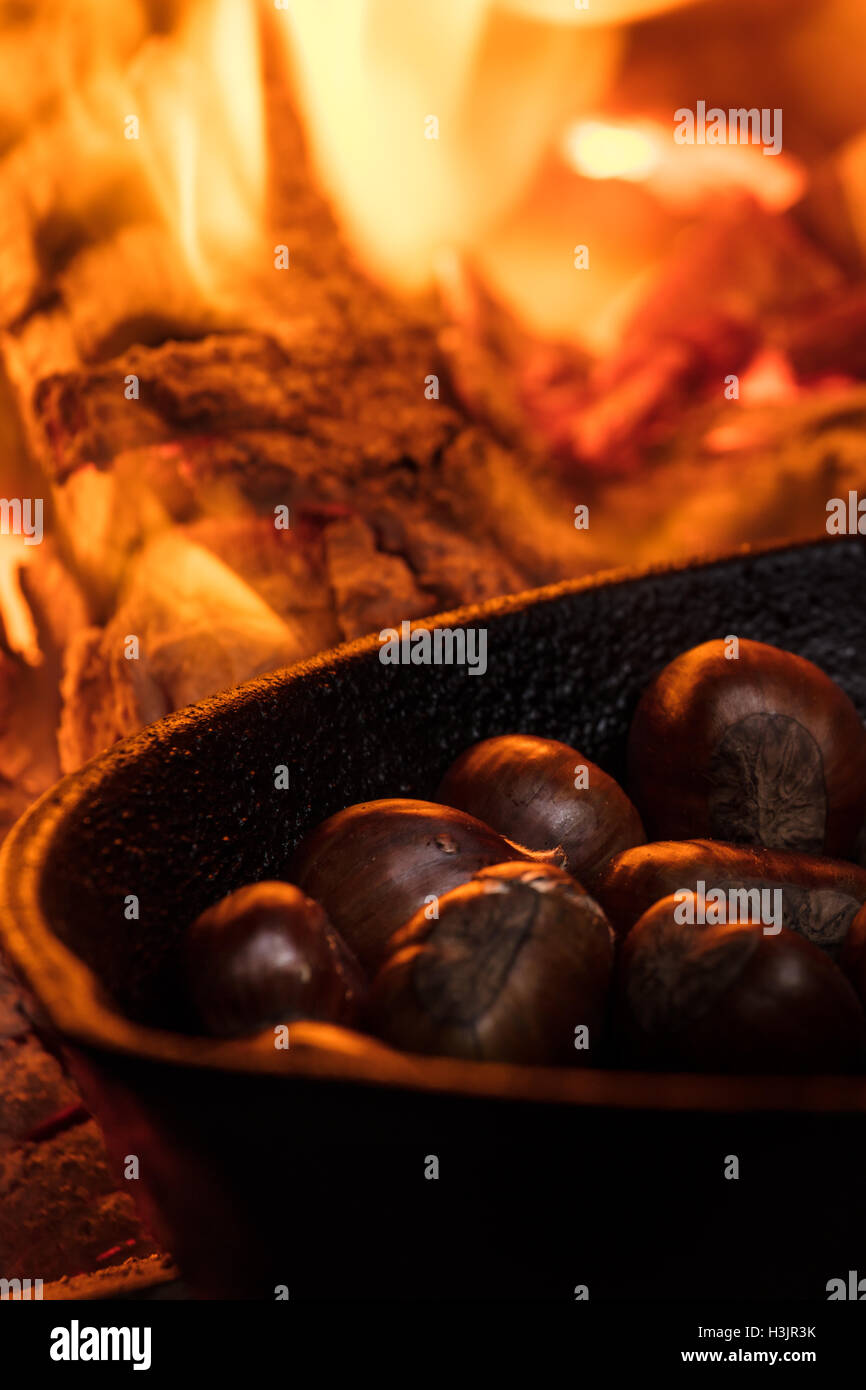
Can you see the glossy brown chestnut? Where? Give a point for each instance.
(517, 961)
(374, 865)
(732, 999)
(819, 896)
(853, 956)
(267, 954)
(761, 749)
(543, 793)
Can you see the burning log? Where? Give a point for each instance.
(41, 610)
(187, 625)
(153, 297)
(369, 587)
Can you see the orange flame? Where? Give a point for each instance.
(181, 116)
(604, 150)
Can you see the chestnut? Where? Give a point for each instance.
(819, 896)
(853, 957)
(761, 748)
(729, 998)
(543, 793)
(267, 954)
(374, 865)
(518, 959)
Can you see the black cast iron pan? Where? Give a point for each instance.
(306, 1170)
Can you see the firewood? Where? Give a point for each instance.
(321, 401)
(187, 625)
(152, 295)
(41, 609)
(455, 568)
(287, 569)
(67, 186)
(372, 590)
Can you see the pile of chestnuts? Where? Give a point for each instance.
(712, 920)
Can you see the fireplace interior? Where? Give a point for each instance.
(319, 318)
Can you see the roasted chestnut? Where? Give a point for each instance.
(732, 999)
(515, 968)
(752, 745)
(819, 897)
(543, 793)
(374, 865)
(853, 956)
(267, 954)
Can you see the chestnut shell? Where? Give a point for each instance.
(763, 749)
(267, 954)
(853, 957)
(518, 958)
(373, 865)
(524, 787)
(732, 999)
(820, 897)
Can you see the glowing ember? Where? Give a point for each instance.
(679, 176)
(16, 616)
(769, 380)
(601, 150)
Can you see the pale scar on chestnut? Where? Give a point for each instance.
(767, 785)
(467, 959)
(821, 915)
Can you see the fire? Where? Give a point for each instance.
(428, 122)
(174, 123)
(17, 619)
(602, 150)
(203, 142)
(585, 13)
(487, 129)
(679, 176)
